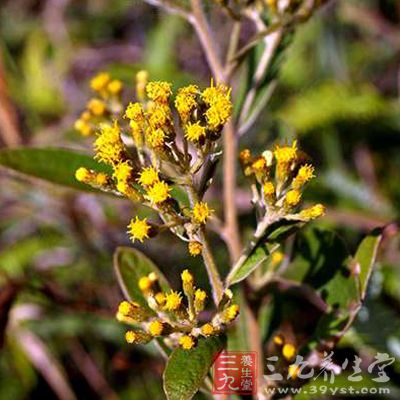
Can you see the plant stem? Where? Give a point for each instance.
(272, 41)
(209, 262)
(231, 229)
(212, 271)
(207, 40)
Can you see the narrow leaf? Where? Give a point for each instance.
(186, 369)
(256, 258)
(365, 258)
(51, 164)
(130, 265)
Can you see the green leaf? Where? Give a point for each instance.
(255, 259)
(365, 258)
(51, 164)
(262, 249)
(321, 261)
(130, 265)
(186, 369)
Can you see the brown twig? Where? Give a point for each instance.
(203, 30)
(231, 228)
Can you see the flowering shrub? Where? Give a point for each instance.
(162, 150)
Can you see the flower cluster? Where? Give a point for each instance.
(102, 106)
(279, 177)
(172, 316)
(151, 156)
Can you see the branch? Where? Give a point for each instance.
(206, 38)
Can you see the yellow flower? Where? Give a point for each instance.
(125, 307)
(173, 301)
(159, 91)
(278, 340)
(141, 82)
(305, 174)
(96, 107)
(83, 127)
(82, 174)
(142, 75)
(187, 282)
(128, 191)
(217, 115)
(213, 94)
(200, 297)
(115, 86)
(156, 328)
(293, 371)
(108, 145)
(100, 81)
(220, 105)
(288, 351)
(123, 172)
(245, 156)
(160, 298)
(230, 313)
(186, 342)
(269, 189)
(86, 116)
(259, 165)
(272, 4)
(286, 154)
(207, 329)
(145, 283)
(201, 212)
(131, 312)
(137, 337)
(101, 179)
(155, 137)
(134, 111)
(313, 212)
(277, 257)
(158, 193)
(148, 176)
(195, 248)
(195, 131)
(185, 101)
(139, 229)
(159, 116)
(293, 198)
(187, 277)
(137, 133)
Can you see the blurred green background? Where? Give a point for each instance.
(338, 93)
